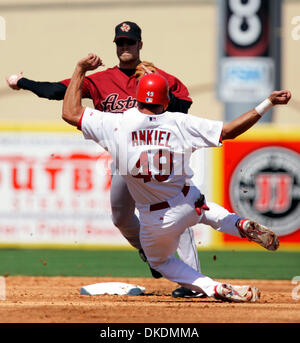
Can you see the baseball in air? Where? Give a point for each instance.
(13, 78)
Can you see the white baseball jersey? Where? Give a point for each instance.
(152, 152)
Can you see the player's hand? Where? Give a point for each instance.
(280, 97)
(91, 62)
(12, 80)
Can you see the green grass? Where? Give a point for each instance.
(72, 263)
(250, 264)
(119, 263)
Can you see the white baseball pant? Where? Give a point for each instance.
(124, 218)
(160, 233)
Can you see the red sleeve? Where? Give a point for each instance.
(176, 86)
(86, 87)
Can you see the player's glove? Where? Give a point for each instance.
(144, 68)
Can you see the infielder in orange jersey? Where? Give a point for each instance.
(114, 90)
(152, 147)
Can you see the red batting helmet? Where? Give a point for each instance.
(153, 89)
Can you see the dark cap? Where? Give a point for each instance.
(128, 29)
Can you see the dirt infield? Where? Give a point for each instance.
(58, 300)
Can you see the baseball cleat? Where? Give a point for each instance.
(258, 233)
(155, 273)
(238, 294)
(183, 292)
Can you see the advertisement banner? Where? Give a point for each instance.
(243, 78)
(262, 182)
(54, 189)
(249, 54)
(246, 55)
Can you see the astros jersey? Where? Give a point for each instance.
(152, 151)
(113, 91)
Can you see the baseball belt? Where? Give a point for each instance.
(164, 204)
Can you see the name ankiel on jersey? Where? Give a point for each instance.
(150, 137)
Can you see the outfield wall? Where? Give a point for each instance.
(54, 187)
(41, 177)
(45, 39)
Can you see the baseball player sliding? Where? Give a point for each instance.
(151, 148)
(114, 90)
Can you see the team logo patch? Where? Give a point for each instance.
(265, 186)
(125, 27)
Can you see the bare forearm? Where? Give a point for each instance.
(240, 125)
(72, 106)
(244, 122)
